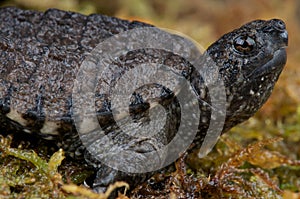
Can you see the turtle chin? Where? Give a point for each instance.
(274, 66)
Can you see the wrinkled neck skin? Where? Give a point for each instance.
(247, 95)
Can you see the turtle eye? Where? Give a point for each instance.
(244, 44)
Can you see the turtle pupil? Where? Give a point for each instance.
(244, 44)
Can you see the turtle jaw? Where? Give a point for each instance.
(275, 65)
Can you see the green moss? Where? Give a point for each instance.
(23, 174)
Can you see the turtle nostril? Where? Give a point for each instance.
(278, 24)
(275, 25)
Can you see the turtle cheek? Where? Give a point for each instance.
(252, 66)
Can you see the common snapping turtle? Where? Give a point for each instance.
(41, 54)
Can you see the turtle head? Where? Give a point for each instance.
(250, 60)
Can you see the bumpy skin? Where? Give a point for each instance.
(40, 54)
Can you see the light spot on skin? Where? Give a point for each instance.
(251, 92)
(27, 131)
(242, 107)
(202, 94)
(204, 119)
(88, 124)
(15, 116)
(50, 128)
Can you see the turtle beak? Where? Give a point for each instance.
(285, 38)
(280, 27)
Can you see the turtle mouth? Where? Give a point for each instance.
(275, 65)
